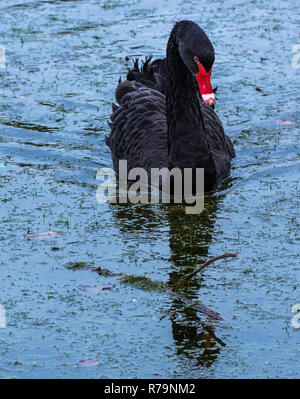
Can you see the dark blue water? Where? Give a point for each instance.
(63, 61)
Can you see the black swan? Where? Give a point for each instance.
(164, 119)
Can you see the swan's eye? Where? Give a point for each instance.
(196, 59)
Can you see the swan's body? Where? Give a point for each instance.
(162, 121)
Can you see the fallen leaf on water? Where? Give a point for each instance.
(44, 205)
(88, 363)
(290, 123)
(43, 235)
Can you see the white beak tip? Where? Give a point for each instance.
(209, 99)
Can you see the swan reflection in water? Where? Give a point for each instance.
(189, 238)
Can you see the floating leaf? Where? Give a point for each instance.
(44, 235)
(88, 363)
(288, 123)
(44, 205)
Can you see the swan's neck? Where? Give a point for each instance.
(187, 142)
(181, 92)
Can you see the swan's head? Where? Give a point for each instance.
(198, 55)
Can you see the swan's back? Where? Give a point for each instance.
(139, 127)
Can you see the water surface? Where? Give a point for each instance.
(64, 59)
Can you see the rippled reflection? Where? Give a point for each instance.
(189, 239)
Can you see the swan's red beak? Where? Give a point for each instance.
(203, 79)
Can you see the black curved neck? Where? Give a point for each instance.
(181, 91)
